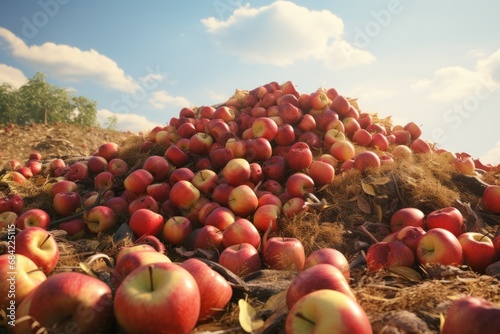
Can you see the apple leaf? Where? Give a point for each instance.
(380, 180)
(275, 301)
(247, 317)
(407, 273)
(380, 214)
(364, 205)
(368, 188)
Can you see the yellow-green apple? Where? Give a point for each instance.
(264, 127)
(491, 198)
(241, 259)
(160, 286)
(406, 217)
(401, 152)
(284, 253)
(285, 135)
(158, 167)
(100, 219)
(342, 150)
(33, 217)
(471, 314)
(180, 174)
(184, 194)
(176, 230)
(414, 130)
(329, 256)
(134, 248)
(438, 245)
(19, 276)
(241, 231)
(265, 215)
(176, 156)
(321, 172)
(159, 191)
(108, 151)
(410, 235)
(449, 218)
(219, 157)
(242, 201)
(215, 291)
(146, 222)
(327, 311)
(208, 237)
(133, 260)
(294, 206)
(237, 146)
(73, 302)
(420, 146)
(318, 277)
(479, 251)
(299, 156)
(200, 143)
(74, 228)
(137, 181)
(205, 180)
(258, 149)
(389, 254)
(366, 159)
(143, 202)
(332, 136)
(380, 141)
(236, 172)
(77, 172)
(40, 246)
(96, 164)
(117, 166)
(299, 184)
(464, 165)
(8, 219)
(362, 137)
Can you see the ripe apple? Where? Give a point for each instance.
(104, 181)
(329, 256)
(38, 245)
(146, 222)
(285, 135)
(158, 167)
(464, 165)
(7, 219)
(380, 141)
(367, 159)
(439, 246)
(134, 248)
(479, 251)
(342, 150)
(472, 315)
(243, 201)
(96, 164)
(258, 149)
(138, 180)
(33, 217)
(177, 229)
(241, 231)
(299, 156)
(117, 166)
(420, 146)
(332, 136)
(299, 184)
(161, 286)
(265, 215)
(82, 304)
(327, 311)
(200, 143)
(275, 168)
(406, 217)
(220, 217)
(389, 254)
(236, 172)
(264, 127)
(362, 137)
(269, 198)
(491, 198)
(284, 253)
(215, 291)
(66, 203)
(180, 174)
(143, 202)
(319, 100)
(208, 237)
(100, 219)
(184, 194)
(241, 259)
(410, 235)
(74, 228)
(318, 277)
(108, 151)
(321, 172)
(401, 152)
(128, 262)
(12, 202)
(294, 206)
(449, 218)
(176, 156)
(414, 130)
(77, 172)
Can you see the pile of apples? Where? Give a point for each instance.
(227, 177)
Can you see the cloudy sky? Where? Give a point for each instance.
(436, 63)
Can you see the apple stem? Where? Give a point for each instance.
(301, 316)
(367, 233)
(151, 284)
(47, 238)
(264, 237)
(257, 186)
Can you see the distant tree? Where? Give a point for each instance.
(112, 122)
(40, 102)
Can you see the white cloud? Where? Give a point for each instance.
(12, 76)
(491, 66)
(68, 63)
(492, 156)
(283, 33)
(126, 122)
(162, 99)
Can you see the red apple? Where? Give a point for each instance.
(241, 231)
(177, 229)
(479, 251)
(220, 217)
(241, 259)
(158, 167)
(449, 218)
(208, 237)
(389, 254)
(117, 166)
(439, 246)
(299, 156)
(138, 180)
(243, 201)
(97, 164)
(33, 217)
(74, 228)
(410, 235)
(66, 203)
(40, 246)
(284, 253)
(342, 150)
(100, 219)
(176, 156)
(108, 151)
(471, 314)
(491, 198)
(299, 184)
(265, 215)
(406, 217)
(184, 194)
(236, 172)
(367, 159)
(146, 222)
(130, 261)
(322, 173)
(329, 256)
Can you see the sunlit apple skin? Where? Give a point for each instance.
(146, 222)
(184, 194)
(327, 311)
(208, 237)
(161, 286)
(410, 235)
(449, 218)
(265, 215)
(318, 277)
(472, 315)
(299, 156)
(439, 246)
(243, 201)
(100, 219)
(128, 262)
(491, 198)
(406, 217)
(479, 251)
(176, 229)
(215, 291)
(66, 203)
(365, 160)
(40, 246)
(236, 172)
(329, 256)
(464, 165)
(134, 248)
(108, 150)
(299, 184)
(33, 217)
(342, 150)
(138, 180)
(27, 276)
(389, 254)
(78, 296)
(284, 253)
(241, 259)
(321, 172)
(158, 167)
(241, 231)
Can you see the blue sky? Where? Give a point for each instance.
(436, 63)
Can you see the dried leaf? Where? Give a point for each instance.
(407, 273)
(275, 301)
(86, 268)
(247, 317)
(441, 322)
(381, 180)
(364, 205)
(380, 213)
(368, 189)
